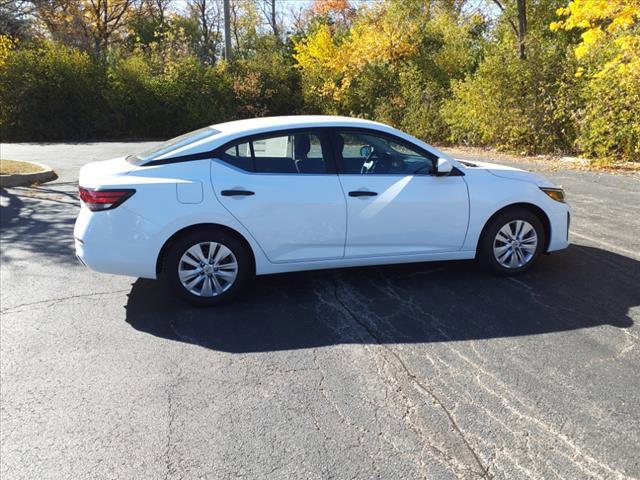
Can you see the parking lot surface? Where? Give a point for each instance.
(431, 371)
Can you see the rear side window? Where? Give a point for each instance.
(274, 155)
(239, 156)
(285, 153)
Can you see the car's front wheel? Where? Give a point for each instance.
(512, 242)
(207, 267)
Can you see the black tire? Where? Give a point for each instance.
(485, 253)
(172, 261)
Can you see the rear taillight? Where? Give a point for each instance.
(98, 200)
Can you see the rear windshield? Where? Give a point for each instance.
(174, 143)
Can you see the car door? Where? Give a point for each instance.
(395, 203)
(284, 190)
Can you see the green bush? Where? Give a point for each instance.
(404, 90)
(131, 99)
(453, 80)
(148, 104)
(48, 92)
(525, 105)
(608, 119)
(266, 82)
(51, 93)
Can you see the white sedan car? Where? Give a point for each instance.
(208, 210)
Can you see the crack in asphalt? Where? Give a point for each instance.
(416, 381)
(410, 407)
(171, 417)
(316, 420)
(55, 301)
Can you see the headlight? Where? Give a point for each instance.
(556, 193)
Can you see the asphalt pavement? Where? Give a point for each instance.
(432, 371)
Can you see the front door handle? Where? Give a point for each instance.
(362, 193)
(236, 193)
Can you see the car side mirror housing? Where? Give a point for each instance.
(443, 167)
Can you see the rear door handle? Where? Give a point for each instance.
(236, 193)
(362, 193)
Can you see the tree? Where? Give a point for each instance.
(244, 25)
(609, 55)
(601, 23)
(521, 28)
(393, 64)
(149, 22)
(268, 8)
(209, 18)
(339, 12)
(15, 18)
(93, 23)
(155, 10)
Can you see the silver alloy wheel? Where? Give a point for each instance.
(208, 269)
(515, 244)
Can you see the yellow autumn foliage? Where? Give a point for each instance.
(609, 52)
(610, 23)
(336, 62)
(6, 45)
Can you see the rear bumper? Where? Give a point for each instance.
(80, 260)
(116, 241)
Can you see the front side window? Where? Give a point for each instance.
(281, 153)
(372, 153)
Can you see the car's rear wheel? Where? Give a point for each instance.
(207, 267)
(512, 242)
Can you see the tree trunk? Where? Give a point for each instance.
(228, 54)
(274, 24)
(522, 27)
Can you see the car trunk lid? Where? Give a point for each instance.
(105, 173)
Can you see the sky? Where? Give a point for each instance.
(287, 7)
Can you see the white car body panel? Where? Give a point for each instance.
(292, 217)
(128, 239)
(301, 222)
(489, 193)
(411, 204)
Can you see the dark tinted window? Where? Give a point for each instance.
(373, 153)
(274, 155)
(281, 153)
(239, 156)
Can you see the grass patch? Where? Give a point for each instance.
(9, 167)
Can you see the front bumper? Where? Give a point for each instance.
(560, 221)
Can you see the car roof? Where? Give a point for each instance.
(228, 131)
(249, 125)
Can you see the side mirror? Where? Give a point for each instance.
(443, 167)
